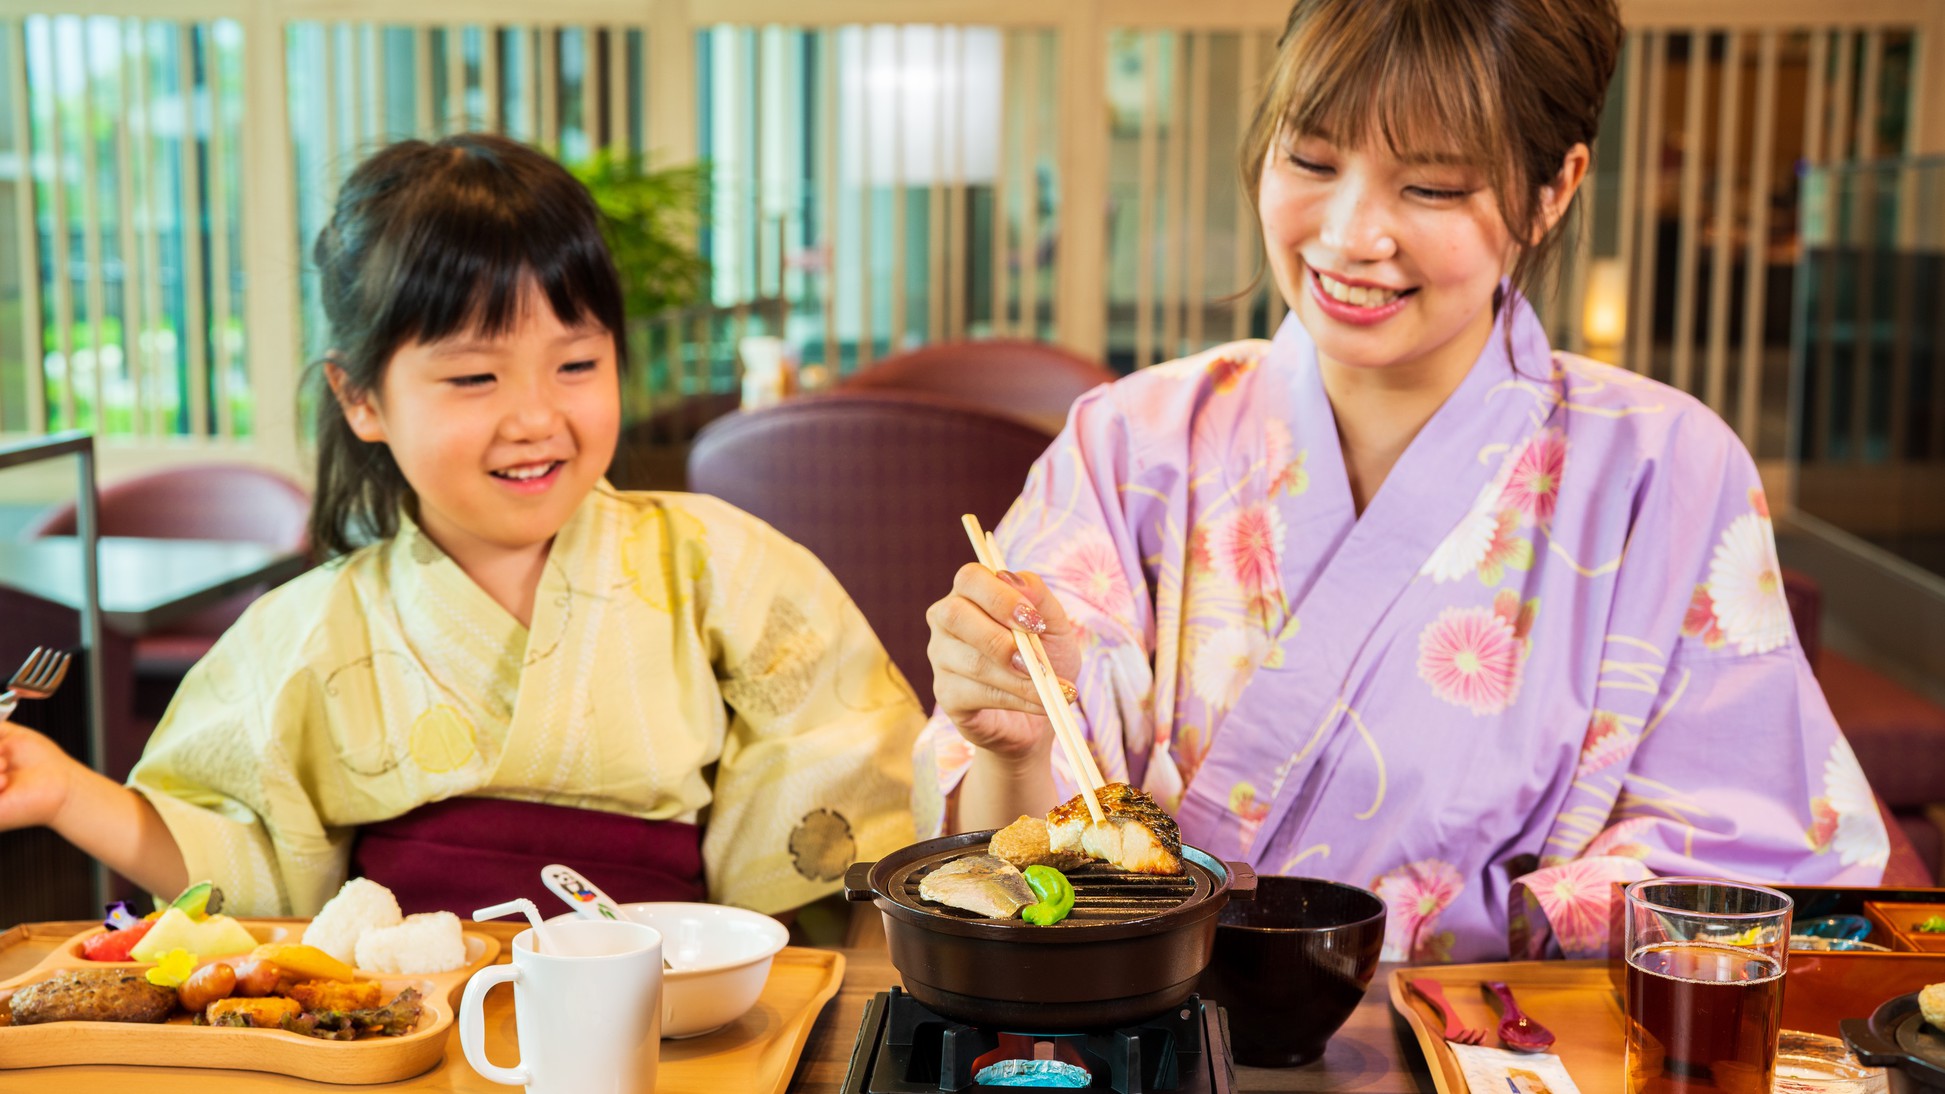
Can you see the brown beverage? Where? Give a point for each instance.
(1708, 1017)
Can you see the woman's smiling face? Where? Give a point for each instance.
(1389, 262)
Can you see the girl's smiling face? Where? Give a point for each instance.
(1389, 262)
(499, 437)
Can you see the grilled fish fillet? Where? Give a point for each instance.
(1026, 842)
(986, 884)
(1136, 835)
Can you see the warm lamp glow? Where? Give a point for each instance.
(1605, 321)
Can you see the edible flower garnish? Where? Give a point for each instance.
(119, 917)
(173, 969)
(1934, 925)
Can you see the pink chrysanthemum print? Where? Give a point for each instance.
(1534, 487)
(1093, 570)
(1699, 622)
(1607, 743)
(1623, 839)
(1471, 657)
(1507, 550)
(1414, 896)
(1226, 370)
(1576, 897)
(1247, 547)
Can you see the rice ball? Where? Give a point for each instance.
(360, 906)
(1931, 1004)
(426, 942)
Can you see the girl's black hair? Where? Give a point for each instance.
(428, 241)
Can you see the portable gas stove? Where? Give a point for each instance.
(904, 1048)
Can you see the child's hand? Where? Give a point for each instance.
(35, 778)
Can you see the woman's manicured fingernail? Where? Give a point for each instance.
(1012, 579)
(1029, 619)
(1019, 665)
(1068, 692)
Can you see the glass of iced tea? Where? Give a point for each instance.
(1704, 985)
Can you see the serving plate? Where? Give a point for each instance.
(178, 1042)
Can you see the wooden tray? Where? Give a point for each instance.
(371, 1059)
(1894, 926)
(757, 1053)
(1574, 999)
(1578, 1001)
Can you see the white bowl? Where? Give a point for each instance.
(721, 958)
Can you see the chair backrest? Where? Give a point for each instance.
(873, 483)
(1032, 381)
(199, 501)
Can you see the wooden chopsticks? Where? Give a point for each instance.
(1045, 682)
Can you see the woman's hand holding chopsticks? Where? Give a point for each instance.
(982, 684)
(978, 675)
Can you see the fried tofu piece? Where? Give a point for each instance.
(269, 1012)
(92, 995)
(1025, 843)
(323, 995)
(1931, 1004)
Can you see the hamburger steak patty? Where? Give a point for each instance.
(92, 995)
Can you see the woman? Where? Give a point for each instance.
(1403, 597)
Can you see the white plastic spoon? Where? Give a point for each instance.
(586, 898)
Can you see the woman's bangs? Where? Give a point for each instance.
(1419, 91)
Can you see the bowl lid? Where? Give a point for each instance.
(1897, 1035)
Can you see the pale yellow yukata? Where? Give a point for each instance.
(671, 634)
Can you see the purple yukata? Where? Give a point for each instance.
(1552, 653)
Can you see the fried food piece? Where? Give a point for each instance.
(1025, 843)
(331, 995)
(92, 995)
(270, 1012)
(1136, 834)
(1931, 1004)
(399, 1017)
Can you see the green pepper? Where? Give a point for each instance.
(1934, 925)
(1056, 895)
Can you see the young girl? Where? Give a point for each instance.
(1403, 597)
(509, 662)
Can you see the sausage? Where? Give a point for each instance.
(205, 986)
(256, 977)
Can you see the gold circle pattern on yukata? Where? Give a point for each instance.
(777, 675)
(442, 740)
(822, 846)
(424, 551)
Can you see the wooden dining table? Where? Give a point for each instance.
(1373, 1054)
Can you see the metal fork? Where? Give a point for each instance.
(1455, 1030)
(37, 678)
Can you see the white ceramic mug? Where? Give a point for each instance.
(587, 1012)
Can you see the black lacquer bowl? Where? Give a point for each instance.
(1291, 966)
